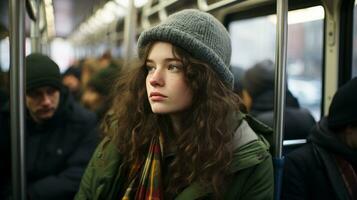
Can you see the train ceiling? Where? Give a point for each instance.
(68, 14)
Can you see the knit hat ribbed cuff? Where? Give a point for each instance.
(43, 82)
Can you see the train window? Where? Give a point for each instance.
(4, 54)
(254, 39)
(65, 57)
(354, 61)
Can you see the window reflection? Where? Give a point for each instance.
(254, 40)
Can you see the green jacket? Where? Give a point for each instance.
(252, 169)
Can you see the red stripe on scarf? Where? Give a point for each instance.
(348, 175)
(148, 178)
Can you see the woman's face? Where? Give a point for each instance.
(167, 90)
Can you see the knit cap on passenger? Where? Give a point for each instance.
(41, 71)
(198, 33)
(343, 108)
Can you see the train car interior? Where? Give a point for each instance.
(319, 52)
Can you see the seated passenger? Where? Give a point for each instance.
(89, 67)
(96, 95)
(238, 74)
(60, 135)
(71, 78)
(326, 167)
(258, 96)
(178, 131)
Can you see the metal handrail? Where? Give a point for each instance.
(17, 88)
(35, 28)
(280, 74)
(280, 88)
(294, 142)
(129, 31)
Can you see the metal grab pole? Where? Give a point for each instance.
(35, 29)
(17, 53)
(130, 31)
(280, 88)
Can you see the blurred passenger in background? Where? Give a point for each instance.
(96, 95)
(60, 135)
(238, 74)
(326, 167)
(106, 60)
(258, 96)
(88, 69)
(177, 130)
(71, 78)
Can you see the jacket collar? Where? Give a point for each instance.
(250, 150)
(324, 137)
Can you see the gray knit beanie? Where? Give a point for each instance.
(200, 34)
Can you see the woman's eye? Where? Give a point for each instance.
(150, 68)
(174, 67)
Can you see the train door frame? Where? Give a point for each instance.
(346, 41)
(338, 47)
(330, 78)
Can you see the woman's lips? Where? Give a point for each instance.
(157, 96)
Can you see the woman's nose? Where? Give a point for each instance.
(157, 78)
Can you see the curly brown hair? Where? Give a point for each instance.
(203, 148)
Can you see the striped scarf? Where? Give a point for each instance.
(145, 178)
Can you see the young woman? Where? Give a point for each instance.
(176, 131)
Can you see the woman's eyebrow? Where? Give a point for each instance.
(173, 59)
(165, 60)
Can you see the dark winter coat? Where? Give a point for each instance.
(310, 172)
(298, 121)
(264, 102)
(57, 151)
